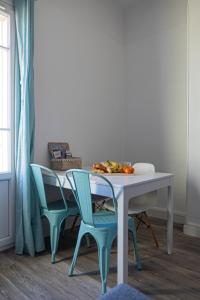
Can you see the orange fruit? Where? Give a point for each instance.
(128, 170)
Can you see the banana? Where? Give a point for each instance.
(108, 167)
(109, 170)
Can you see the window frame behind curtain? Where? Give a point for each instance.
(7, 8)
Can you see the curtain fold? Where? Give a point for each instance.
(29, 235)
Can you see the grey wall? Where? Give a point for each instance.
(156, 88)
(79, 63)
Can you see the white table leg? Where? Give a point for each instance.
(122, 245)
(170, 217)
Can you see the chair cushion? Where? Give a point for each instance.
(123, 292)
(59, 206)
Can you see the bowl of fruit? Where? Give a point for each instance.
(112, 167)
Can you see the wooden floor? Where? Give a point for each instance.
(163, 277)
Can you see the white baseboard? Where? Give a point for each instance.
(161, 213)
(192, 229)
(6, 247)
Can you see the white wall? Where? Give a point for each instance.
(193, 196)
(156, 85)
(114, 85)
(79, 56)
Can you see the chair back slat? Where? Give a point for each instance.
(80, 184)
(38, 173)
(38, 177)
(82, 193)
(144, 168)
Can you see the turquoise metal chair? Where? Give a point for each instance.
(56, 212)
(102, 225)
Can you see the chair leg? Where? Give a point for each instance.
(63, 228)
(140, 220)
(74, 223)
(104, 263)
(87, 239)
(55, 226)
(149, 225)
(93, 207)
(135, 245)
(76, 251)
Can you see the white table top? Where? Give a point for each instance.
(127, 179)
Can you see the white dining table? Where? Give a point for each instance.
(125, 188)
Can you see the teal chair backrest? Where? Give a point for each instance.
(80, 182)
(38, 172)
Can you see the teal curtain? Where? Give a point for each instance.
(29, 237)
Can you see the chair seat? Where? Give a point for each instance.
(58, 206)
(105, 219)
(109, 205)
(137, 204)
